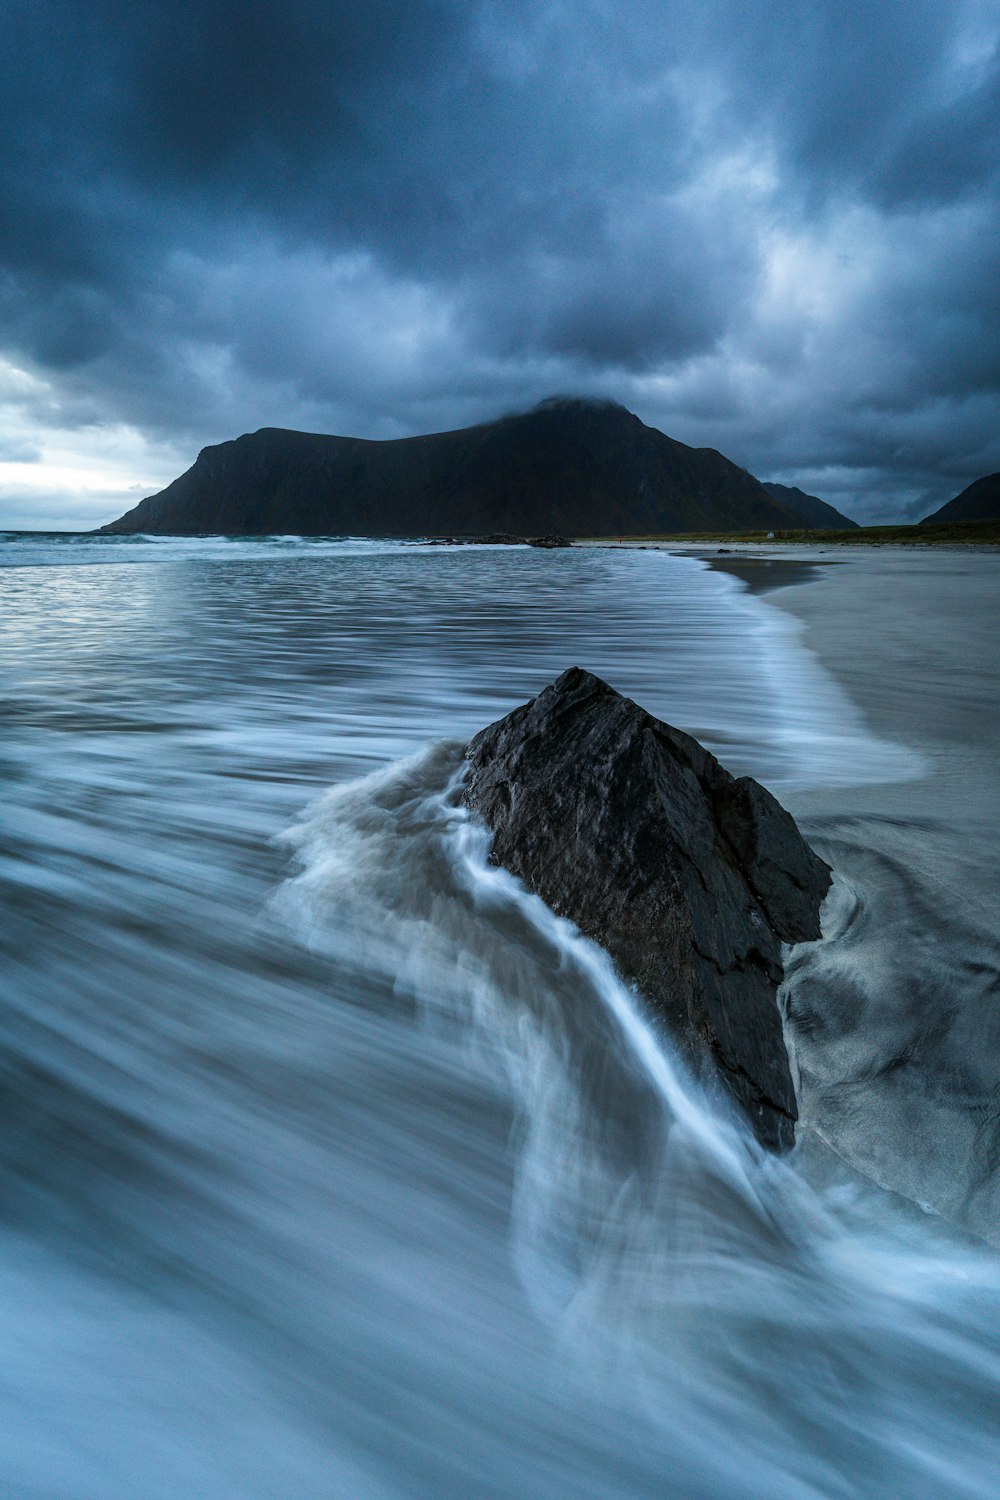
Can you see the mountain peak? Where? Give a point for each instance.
(582, 405)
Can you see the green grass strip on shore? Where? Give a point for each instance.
(970, 532)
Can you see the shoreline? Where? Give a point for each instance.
(973, 535)
(911, 641)
(892, 1018)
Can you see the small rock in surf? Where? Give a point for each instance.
(691, 879)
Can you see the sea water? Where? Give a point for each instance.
(334, 1164)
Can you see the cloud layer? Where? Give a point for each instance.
(765, 228)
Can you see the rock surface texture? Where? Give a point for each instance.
(689, 878)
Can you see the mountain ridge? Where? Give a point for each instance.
(815, 513)
(568, 466)
(979, 501)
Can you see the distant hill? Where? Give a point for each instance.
(979, 501)
(575, 467)
(810, 509)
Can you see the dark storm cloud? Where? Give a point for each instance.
(767, 228)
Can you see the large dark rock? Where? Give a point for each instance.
(690, 878)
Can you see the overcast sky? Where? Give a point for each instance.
(765, 227)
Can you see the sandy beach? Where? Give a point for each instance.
(894, 1020)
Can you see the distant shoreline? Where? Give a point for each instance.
(965, 535)
(952, 533)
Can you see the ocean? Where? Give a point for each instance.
(333, 1164)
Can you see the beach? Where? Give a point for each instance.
(895, 1023)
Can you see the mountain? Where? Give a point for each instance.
(979, 501)
(812, 512)
(575, 467)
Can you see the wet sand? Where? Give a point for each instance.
(895, 1020)
(764, 574)
(913, 639)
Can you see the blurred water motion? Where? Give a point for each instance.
(333, 1164)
